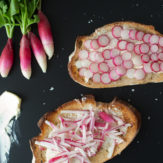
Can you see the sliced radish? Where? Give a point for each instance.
(113, 75)
(130, 46)
(85, 63)
(83, 54)
(161, 66)
(116, 31)
(87, 44)
(88, 74)
(139, 74)
(137, 61)
(105, 78)
(103, 67)
(126, 56)
(128, 64)
(132, 34)
(154, 48)
(147, 67)
(110, 63)
(117, 60)
(125, 34)
(154, 57)
(154, 39)
(96, 78)
(137, 49)
(94, 44)
(82, 71)
(120, 70)
(161, 41)
(114, 53)
(103, 40)
(93, 67)
(130, 73)
(99, 57)
(106, 54)
(92, 56)
(146, 37)
(113, 43)
(155, 66)
(145, 58)
(122, 44)
(139, 35)
(144, 48)
(160, 56)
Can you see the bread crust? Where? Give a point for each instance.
(124, 81)
(130, 115)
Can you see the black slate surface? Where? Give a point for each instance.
(70, 19)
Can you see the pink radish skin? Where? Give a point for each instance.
(25, 57)
(139, 35)
(160, 56)
(110, 63)
(94, 44)
(154, 39)
(45, 34)
(122, 44)
(105, 79)
(155, 66)
(116, 31)
(139, 74)
(6, 59)
(154, 57)
(154, 48)
(93, 67)
(117, 60)
(38, 51)
(161, 41)
(145, 58)
(130, 46)
(144, 48)
(132, 34)
(103, 67)
(146, 37)
(113, 75)
(96, 78)
(120, 70)
(137, 49)
(128, 64)
(103, 40)
(106, 54)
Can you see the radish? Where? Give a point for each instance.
(130, 46)
(110, 63)
(106, 117)
(6, 59)
(139, 35)
(137, 61)
(160, 56)
(122, 44)
(103, 67)
(116, 31)
(87, 44)
(105, 79)
(99, 57)
(155, 66)
(45, 34)
(154, 57)
(132, 34)
(103, 40)
(144, 48)
(106, 54)
(94, 44)
(130, 73)
(161, 66)
(93, 67)
(120, 70)
(83, 54)
(161, 41)
(139, 74)
(25, 57)
(137, 49)
(117, 60)
(146, 37)
(114, 75)
(96, 78)
(113, 43)
(147, 67)
(154, 48)
(154, 39)
(38, 51)
(128, 64)
(126, 56)
(92, 56)
(145, 58)
(125, 34)
(114, 53)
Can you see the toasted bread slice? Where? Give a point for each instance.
(147, 77)
(125, 111)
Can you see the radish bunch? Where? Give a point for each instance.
(121, 52)
(23, 13)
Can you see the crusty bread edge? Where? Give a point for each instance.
(130, 114)
(124, 81)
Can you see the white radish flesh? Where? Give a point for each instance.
(103, 67)
(154, 39)
(113, 75)
(93, 67)
(126, 56)
(147, 67)
(103, 40)
(82, 70)
(154, 48)
(92, 56)
(117, 60)
(122, 44)
(116, 31)
(128, 64)
(85, 63)
(144, 48)
(137, 49)
(99, 57)
(83, 54)
(120, 70)
(160, 56)
(154, 57)
(105, 79)
(130, 46)
(139, 74)
(88, 74)
(110, 63)
(139, 35)
(161, 66)
(132, 33)
(114, 53)
(125, 34)
(130, 73)
(137, 61)
(146, 37)
(155, 66)
(94, 44)
(87, 44)
(113, 43)
(96, 78)
(161, 41)
(145, 58)
(106, 54)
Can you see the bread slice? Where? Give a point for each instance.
(124, 80)
(123, 109)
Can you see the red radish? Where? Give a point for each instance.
(154, 48)
(106, 117)
(106, 54)
(125, 34)
(103, 40)
(144, 48)
(155, 66)
(117, 60)
(154, 57)
(137, 61)
(87, 44)
(116, 31)
(83, 54)
(45, 34)
(99, 57)
(113, 75)
(122, 44)
(139, 35)
(82, 71)
(85, 63)
(161, 66)
(154, 39)
(126, 56)
(88, 74)
(94, 44)
(105, 79)
(130, 46)
(113, 43)
(103, 67)
(96, 78)
(146, 37)
(147, 67)
(110, 63)
(145, 58)
(137, 49)
(161, 41)
(160, 56)
(38, 51)
(6, 59)
(92, 56)
(114, 53)
(120, 70)
(139, 74)
(25, 57)
(93, 67)
(128, 64)
(132, 34)
(130, 73)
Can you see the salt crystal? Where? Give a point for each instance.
(51, 89)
